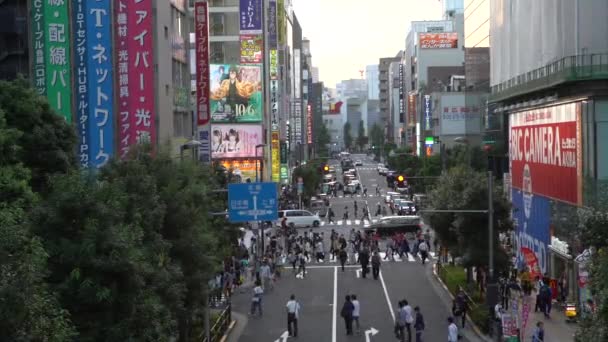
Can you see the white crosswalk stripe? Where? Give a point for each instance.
(396, 258)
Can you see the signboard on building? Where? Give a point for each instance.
(246, 82)
(531, 216)
(272, 24)
(274, 101)
(447, 40)
(81, 90)
(411, 109)
(244, 168)
(281, 25)
(297, 72)
(250, 16)
(203, 110)
(235, 141)
(135, 56)
(297, 114)
(309, 124)
(456, 118)
(428, 113)
(252, 46)
(52, 63)
(401, 95)
(274, 64)
(276, 156)
(544, 143)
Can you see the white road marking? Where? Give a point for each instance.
(388, 300)
(348, 222)
(335, 308)
(339, 222)
(357, 221)
(410, 257)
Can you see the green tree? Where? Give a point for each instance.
(47, 141)
(361, 138)
(323, 140)
(377, 139)
(348, 138)
(473, 156)
(29, 311)
(461, 188)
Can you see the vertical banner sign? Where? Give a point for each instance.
(38, 45)
(122, 30)
(274, 64)
(141, 73)
(272, 24)
(427, 112)
(202, 80)
(309, 124)
(57, 57)
(281, 28)
(99, 72)
(276, 156)
(411, 109)
(401, 95)
(250, 16)
(81, 90)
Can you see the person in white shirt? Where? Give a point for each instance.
(356, 312)
(256, 300)
(293, 314)
(424, 251)
(266, 275)
(452, 330)
(409, 319)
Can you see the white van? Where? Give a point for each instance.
(299, 218)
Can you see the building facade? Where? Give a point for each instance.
(371, 77)
(384, 95)
(14, 45)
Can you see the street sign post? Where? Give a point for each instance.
(252, 202)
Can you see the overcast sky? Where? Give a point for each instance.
(347, 35)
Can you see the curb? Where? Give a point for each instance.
(472, 324)
(227, 333)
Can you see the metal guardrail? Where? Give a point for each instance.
(567, 69)
(220, 326)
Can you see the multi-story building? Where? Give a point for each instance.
(548, 109)
(371, 77)
(354, 87)
(14, 47)
(384, 95)
(395, 89)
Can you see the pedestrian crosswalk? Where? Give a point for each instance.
(406, 257)
(365, 223)
(359, 196)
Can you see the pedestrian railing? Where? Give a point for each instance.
(219, 324)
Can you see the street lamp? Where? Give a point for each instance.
(256, 161)
(190, 145)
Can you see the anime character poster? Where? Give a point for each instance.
(235, 141)
(236, 93)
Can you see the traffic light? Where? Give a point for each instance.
(326, 168)
(400, 181)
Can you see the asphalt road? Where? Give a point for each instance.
(321, 292)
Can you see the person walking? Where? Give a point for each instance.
(330, 216)
(343, 258)
(400, 322)
(356, 209)
(301, 265)
(347, 314)
(256, 299)
(378, 210)
(345, 216)
(266, 275)
(423, 247)
(356, 313)
(452, 330)
(409, 319)
(539, 333)
(364, 261)
(376, 265)
(545, 299)
(418, 324)
(293, 314)
(460, 306)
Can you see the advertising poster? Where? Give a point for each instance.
(245, 168)
(411, 109)
(57, 57)
(252, 46)
(250, 16)
(428, 113)
(81, 90)
(100, 80)
(236, 93)
(203, 109)
(274, 101)
(274, 64)
(38, 44)
(235, 141)
(276, 156)
(543, 143)
(447, 40)
(456, 118)
(531, 216)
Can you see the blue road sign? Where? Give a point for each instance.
(252, 202)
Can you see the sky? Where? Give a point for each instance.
(347, 35)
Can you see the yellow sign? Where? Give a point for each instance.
(276, 156)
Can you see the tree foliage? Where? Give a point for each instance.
(348, 138)
(323, 140)
(461, 188)
(361, 138)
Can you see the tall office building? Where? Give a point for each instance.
(384, 94)
(371, 77)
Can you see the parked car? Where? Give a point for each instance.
(299, 218)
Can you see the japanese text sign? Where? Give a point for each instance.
(272, 24)
(276, 156)
(201, 20)
(252, 202)
(38, 45)
(411, 109)
(428, 112)
(81, 77)
(448, 40)
(250, 16)
(251, 48)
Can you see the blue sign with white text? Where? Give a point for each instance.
(250, 16)
(428, 113)
(100, 82)
(532, 215)
(252, 202)
(81, 90)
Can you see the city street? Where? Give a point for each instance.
(323, 289)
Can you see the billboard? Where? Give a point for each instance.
(428, 113)
(447, 40)
(235, 141)
(531, 216)
(203, 110)
(250, 16)
(236, 93)
(276, 156)
(135, 57)
(411, 109)
(252, 46)
(545, 152)
(458, 119)
(100, 82)
(244, 168)
(272, 24)
(52, 55)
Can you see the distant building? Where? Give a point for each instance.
(384, 94)
(371, 76)
(351, 88)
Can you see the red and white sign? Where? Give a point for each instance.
(545, 152)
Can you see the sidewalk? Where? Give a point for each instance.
(556, 328)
